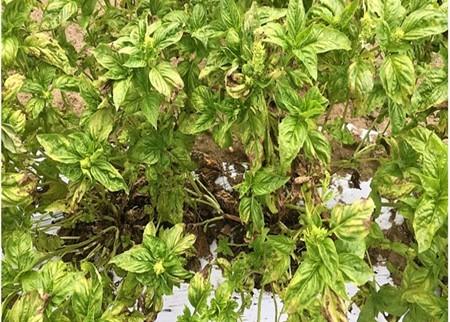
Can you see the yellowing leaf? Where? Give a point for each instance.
(58, 148)
(398, 77)
(352, 222)
(424, 23)
(292, 133)
(108, 176)
(163, 77)
(360, 78)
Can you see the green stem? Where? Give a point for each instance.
(361, 143)
(237, 245)
(242, 308)
(205, 202)
(207, 221)
(275, 305)
(73, 247)
(371, 267)
(70, 237)
(294, 207)
(260, 303)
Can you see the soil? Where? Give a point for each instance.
(213, 162)
(75, 36)
(75, 102)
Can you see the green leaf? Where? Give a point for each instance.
(267, 14)
(274, 33)
(175, 240)
(87, 8)
(11, 141)
(87, 298)
(429, 217)
(158, 82)
(397, 117)
(322, 251)
(230, 14)
(17, 189)
(54, 279)
(391, 11)
(69, 9)
(354, 268)
(282, 244)
(171, 198)
(111, 61)
(250, 208)
(295, 18)
(150, 107)
(398, 77)
(360, 78)
(120, 89)
(350, 222)
(83, 144)
(163, 77)
(308, 56)
(355, 247)
(314, 104)
(100, 124)
(136, 260)
(288, 98)
(147, 150)
(423, 141)
(424, 23)
(389, 299)
(267, 180)
(167, 34)
(28, 308)
(58, 148)
(10, 47)
(317, 146)
(330, 39)
(304, 287)
(19, 253)
(198, 292)
(202, 122)
(35, 106)
(431, 91)
(48, 49)
(108, 176)
(292, 133)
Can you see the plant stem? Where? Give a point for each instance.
(207, 221)
(294, 207)
(275, 305)
(260, 303)
(361, 143)
(74, 247)
(242, 308)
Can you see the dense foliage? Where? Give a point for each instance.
(102, 201)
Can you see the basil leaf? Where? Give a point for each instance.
(292, 134)
(58, 148)
(108, 176)
(398, 77)
(351, 222)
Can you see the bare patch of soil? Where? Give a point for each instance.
(75, 36)
(74, 101)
